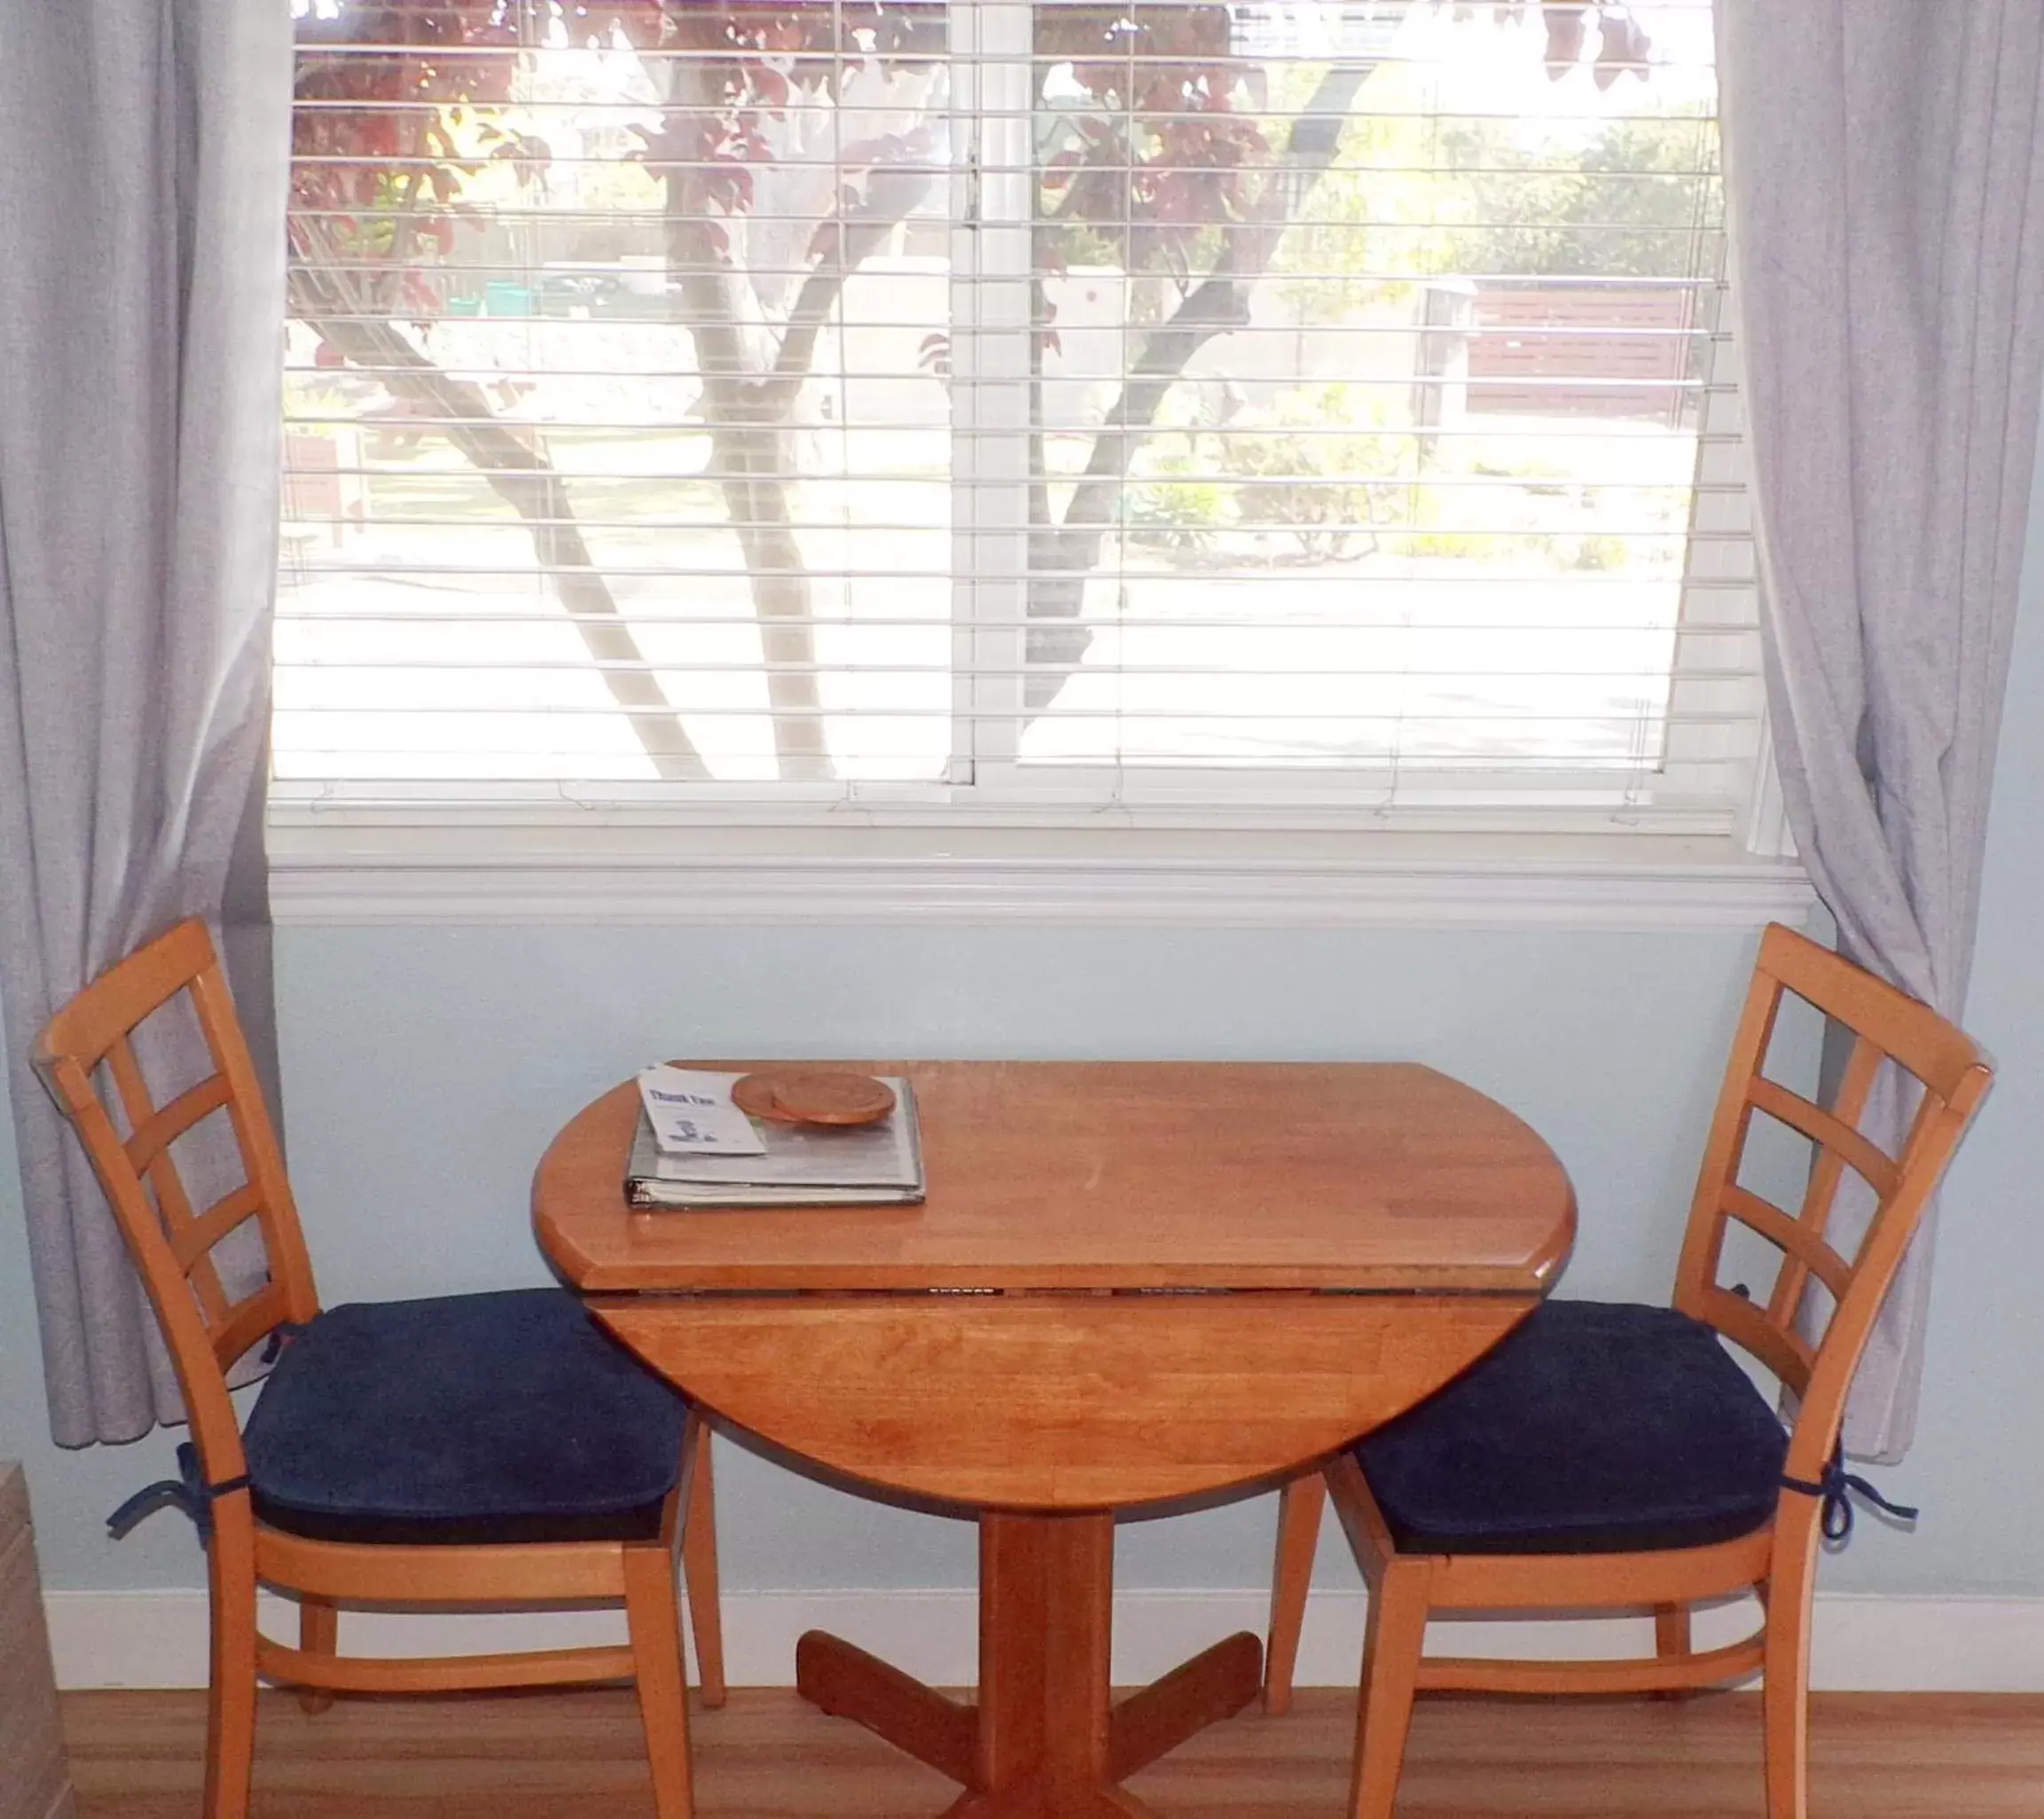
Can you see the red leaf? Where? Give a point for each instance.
(1565, 32)
(1622, 50)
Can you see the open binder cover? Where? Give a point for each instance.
(876, 1164)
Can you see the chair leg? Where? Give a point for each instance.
(654, 1615)
(231, 1687)
(318, 1634)
(1299, 1507)
(1785, 1696)
(1671, 1640)
(699, 1569)
(1393, 1645)
(1671, 1631)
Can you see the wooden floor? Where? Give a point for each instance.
(136, 1755)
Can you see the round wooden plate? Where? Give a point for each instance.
(813, 1097)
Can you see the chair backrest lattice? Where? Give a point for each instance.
(87, 1054)
(1896, 1045)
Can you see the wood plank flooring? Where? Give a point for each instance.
(136, 1755)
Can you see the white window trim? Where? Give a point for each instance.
(524, 856)
(453, 866)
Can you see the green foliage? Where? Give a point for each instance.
(1345, 482)
(1627, 205)
(1598, 553)
(1481, 199)
(1318, 469)
(1457, 545)
(1180, 516)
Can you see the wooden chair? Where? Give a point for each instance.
(492, 1449)
(1609, 1456)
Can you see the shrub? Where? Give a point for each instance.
(1343, 482)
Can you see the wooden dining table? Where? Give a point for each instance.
(1129, 1284)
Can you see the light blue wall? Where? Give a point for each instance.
(425, 1069)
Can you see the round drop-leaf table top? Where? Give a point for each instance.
(1113, 1175)
(1340, 1239)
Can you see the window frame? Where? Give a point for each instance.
(1294, 848)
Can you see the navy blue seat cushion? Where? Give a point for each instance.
(509, 1416)
(1595, 1427)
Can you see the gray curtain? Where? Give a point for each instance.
(147, 148)
(1884, 176)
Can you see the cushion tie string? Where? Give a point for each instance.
(1837, 1488)
(280, 1336)
(188, 1492)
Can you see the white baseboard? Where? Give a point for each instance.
(1863, 1643)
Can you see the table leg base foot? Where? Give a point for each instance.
(846, 1682)
(1041, 1799)
(1215, 1685)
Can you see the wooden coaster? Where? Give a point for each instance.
(813, 1097)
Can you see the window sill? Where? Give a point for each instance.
(382, 869)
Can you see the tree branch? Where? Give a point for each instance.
(1062, 556)
(861, 234)
(520, 475)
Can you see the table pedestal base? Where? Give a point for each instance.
(1044, 1741)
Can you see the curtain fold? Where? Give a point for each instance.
(1884, 183)
(146, 145)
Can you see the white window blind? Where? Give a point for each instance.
(1025, 408)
